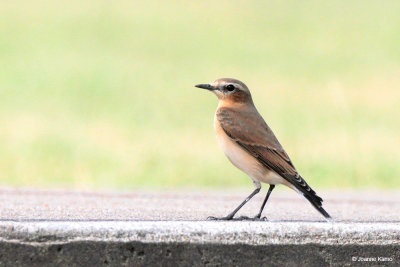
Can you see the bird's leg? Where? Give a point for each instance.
(258, 216)
(271, 187)
(230, 215)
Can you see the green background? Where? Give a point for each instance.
(99, 94)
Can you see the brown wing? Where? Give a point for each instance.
(250, 131)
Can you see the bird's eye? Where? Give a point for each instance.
(230, 87)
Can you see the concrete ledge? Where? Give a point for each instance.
(202, 232)
(196, 243)
(85, 228)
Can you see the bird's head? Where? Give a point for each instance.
(229, 90)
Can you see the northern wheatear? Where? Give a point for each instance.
(251, 145)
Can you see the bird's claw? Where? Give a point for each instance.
(212, 218)
(255, 218)
(241, 218)
(244, 218)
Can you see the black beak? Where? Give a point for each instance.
(205, 86)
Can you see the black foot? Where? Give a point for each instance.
(256, 219)
(212, 218)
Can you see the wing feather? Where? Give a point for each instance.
(250, 131)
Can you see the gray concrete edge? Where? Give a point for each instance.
(200, 232)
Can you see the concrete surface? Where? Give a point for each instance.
(60, 228)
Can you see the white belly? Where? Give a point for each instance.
(244, 161)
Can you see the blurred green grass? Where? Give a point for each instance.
(99, 94)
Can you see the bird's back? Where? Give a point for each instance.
(248, 129)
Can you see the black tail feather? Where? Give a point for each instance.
(317, 205)
(311, 196)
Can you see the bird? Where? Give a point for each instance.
(250, 145)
